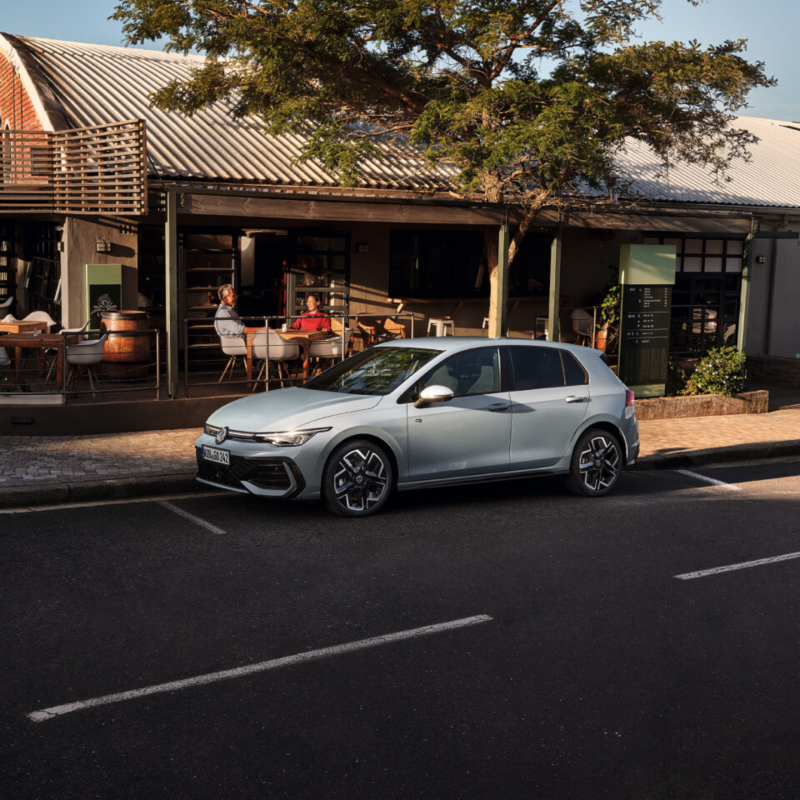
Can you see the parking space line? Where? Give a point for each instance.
(116, 502)
(192, 517)
(706, 479)
(241, 672)
(744, 565)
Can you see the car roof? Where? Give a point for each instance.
(455, 344)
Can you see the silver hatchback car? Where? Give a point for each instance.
(419, 413)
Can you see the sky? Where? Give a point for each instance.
(770, 26)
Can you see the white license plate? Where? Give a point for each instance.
(217, 456)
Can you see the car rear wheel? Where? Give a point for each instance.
(357, 479)
(596, 464)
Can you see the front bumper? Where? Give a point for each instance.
(266, 476)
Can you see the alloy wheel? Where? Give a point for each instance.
(599, 463)
(360, 480)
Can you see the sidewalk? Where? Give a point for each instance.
(45, 470)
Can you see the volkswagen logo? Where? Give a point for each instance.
(221, 436)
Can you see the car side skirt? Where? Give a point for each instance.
(490, 478)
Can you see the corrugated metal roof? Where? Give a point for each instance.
(770, 178)
(97, 84)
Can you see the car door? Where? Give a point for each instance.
(468, 435)
(549, 399)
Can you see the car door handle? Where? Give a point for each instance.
(499, 406)
(573, 398)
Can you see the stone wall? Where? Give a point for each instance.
(702, 405)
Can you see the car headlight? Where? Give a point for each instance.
(289, 438)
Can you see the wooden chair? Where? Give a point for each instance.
(381, 329)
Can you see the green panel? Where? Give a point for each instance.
(103, 291)
(649, 390)
(647, 264)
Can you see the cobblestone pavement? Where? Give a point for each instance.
(28, 461)
(680, 436)
(31, 460)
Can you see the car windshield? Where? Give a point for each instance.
(377, 371)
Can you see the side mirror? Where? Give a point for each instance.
(434, 394)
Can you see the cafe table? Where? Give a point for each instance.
(15, 343)
(21, 326)
(303, 338)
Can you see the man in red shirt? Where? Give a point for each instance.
(313, 319)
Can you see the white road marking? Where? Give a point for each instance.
(241, 672)
(192, 517)
(687, 576)
(120, 501)
(706, 479)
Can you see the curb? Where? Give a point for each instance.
(718, 455)
(87, 491)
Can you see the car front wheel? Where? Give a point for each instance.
(357, 479)
(596, 464)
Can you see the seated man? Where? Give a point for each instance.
(313, 319)
(226, 320)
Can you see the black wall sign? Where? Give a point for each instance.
(644, 346)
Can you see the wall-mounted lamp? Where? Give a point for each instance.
(101, 246)
(362, 248)
(761, 259)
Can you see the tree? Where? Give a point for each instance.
(526, 101)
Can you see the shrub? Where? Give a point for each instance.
(722, 371)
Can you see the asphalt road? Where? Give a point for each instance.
(600, 674)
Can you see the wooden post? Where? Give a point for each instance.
(555, 285)
(744, 297)
(171, 280)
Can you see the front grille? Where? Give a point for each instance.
(265, 473)
(227, 475)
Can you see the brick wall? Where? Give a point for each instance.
(775, 368)
(15, 105)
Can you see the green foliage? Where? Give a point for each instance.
(521, 100)
(722, 371)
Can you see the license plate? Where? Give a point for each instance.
(217, 456)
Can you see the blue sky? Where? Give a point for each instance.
(771, 27)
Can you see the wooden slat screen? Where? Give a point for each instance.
(97, 170)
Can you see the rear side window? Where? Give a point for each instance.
(573, 372)
(536, 368)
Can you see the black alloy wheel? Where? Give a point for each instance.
(357, 480)
(596, 464)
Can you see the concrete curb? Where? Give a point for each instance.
(718, 455)
(89, 491)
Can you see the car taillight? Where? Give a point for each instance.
(630, 398)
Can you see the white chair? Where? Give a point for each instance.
(83, 356)
(280, 351)
(40, 316)
(331, 349)
(50, 353)
(442, 325)
(582, 326)
(7, 302)
(4, 359)
(235, 347)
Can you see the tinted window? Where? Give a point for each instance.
(472, 372)
(536, 368)
(573, 371)
(379, 370)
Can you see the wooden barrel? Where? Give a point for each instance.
(126, 357)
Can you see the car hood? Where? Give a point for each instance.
(287, 409)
